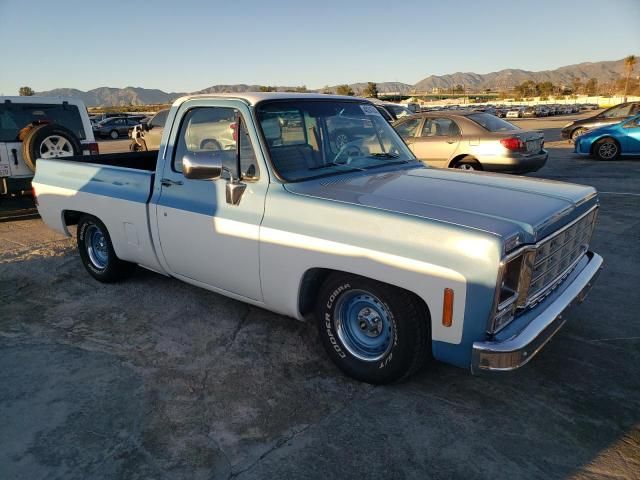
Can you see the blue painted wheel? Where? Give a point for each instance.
(97, 248)
(97, 253)
(364, 325)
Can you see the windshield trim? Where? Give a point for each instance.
(267, 152)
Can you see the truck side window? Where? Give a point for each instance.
(213, 129)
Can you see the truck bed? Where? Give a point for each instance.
(115, 188)
(136, 160)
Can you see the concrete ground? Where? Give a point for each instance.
(154, 378)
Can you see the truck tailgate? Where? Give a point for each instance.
(118, 196)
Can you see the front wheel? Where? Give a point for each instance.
(375, 333)
(576, 133)
(606, 149)
(97, 254)
(114, 134)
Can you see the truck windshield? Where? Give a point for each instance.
(315, 138)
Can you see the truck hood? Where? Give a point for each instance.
(502, 205)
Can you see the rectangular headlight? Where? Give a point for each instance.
(509, 286)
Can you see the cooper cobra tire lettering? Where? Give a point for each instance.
(332, 338)
(336, 292)
(407, 318)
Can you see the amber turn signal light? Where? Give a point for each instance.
(447, 308)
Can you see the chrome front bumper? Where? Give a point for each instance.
(514, 352)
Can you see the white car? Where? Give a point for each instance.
(39, 127)
(515, 113)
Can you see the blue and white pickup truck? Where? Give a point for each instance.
(251, 196)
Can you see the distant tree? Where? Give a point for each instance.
(301, 89)
(457, 89)
(527, 89)
(326, 90)
(371, 90)
(591, 87)
(266, 88)
(26, 92)
(629, 64)
(576, 85)
(545, 88)
(344, 90)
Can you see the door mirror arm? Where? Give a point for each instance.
(234, 189)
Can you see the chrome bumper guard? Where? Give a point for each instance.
(516, 351)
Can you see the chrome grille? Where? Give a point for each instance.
(557, 255)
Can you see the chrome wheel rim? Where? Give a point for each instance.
(608, 150)
(364, 325)
(577, 133)
(114, 134)
(55, 146)
(96, 245)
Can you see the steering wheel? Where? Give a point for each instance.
(348, 150)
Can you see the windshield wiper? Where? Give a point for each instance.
(334, 164)
(386, 164)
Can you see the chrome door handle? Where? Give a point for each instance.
(167, 182)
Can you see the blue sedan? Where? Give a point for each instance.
(611, 141)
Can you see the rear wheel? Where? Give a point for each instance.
(114, 134)
(373, 332)
(467, 163)
(606, 149)
(97, 254)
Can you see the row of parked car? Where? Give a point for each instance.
(115, 125)
(520, 111)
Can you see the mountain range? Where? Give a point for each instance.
(604, 72)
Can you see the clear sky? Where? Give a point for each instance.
(187, 45)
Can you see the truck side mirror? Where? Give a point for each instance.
(202, 166)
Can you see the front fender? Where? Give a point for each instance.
(301, 233)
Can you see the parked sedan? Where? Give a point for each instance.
(611, 141)
(609, 116)
(472, 141)
(115, 127)
(514, 113)
(392, 111)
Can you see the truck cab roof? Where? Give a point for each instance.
(253, 98)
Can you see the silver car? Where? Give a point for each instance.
(472, 141)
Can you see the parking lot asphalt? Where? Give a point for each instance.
(154, 378)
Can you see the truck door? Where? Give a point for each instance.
(202, 237)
